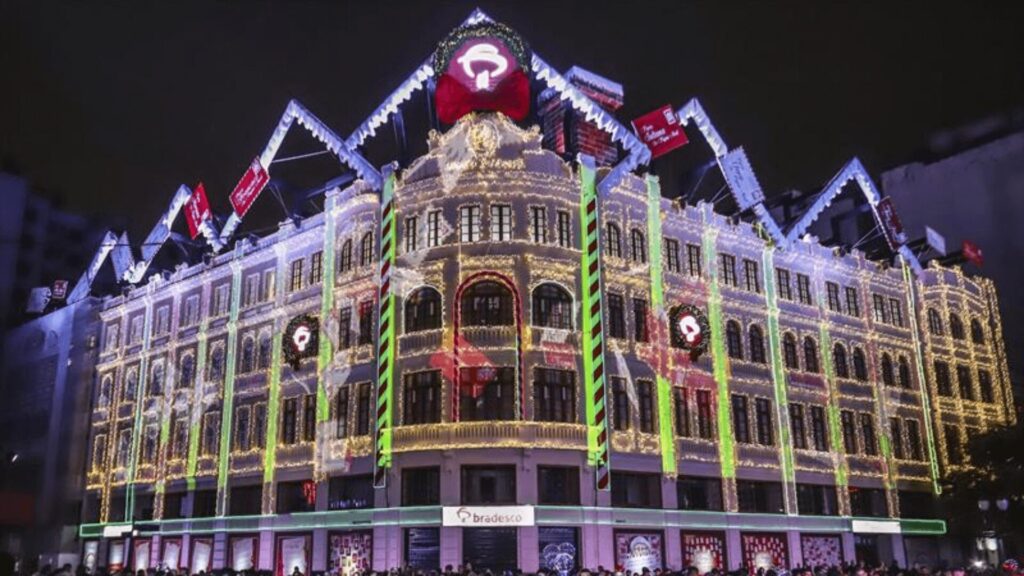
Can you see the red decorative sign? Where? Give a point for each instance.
(197, 210)
(891, 225)
(309, 492)
(249, 187)
(660, 131)
(973, 253)
(59, 290)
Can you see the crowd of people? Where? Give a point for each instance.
(851, 569)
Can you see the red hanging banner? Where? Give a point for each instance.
(660, 131)
(197, 210)
(973, 253)
(891, 225)
(249, 187)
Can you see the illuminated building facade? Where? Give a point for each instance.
(491, 356)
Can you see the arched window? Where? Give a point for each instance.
(487, 303)
(366, 249)
(888, 376)
(103, 395)
(217, 364)
(636, 245)
(789, 351)
(956, 326)
(156, 383)
(860, 365)
(904, 370)
(422, 310)
(934, 322)
(552, 307)
(839, 361)
(186, 370)
(248, 363)
(345, 261)
(977, 334)
(614, 241)
(263, 357)
(733, 339)
(131, 384)
(757, 345)
(811, 355)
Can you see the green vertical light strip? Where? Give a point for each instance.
(598, 439)
(140, 400)
(926, 409)
(779, 377)
(227, 408)
(719, 358)
(197, 406)
(274, 393)
(325, 353)
(825, 343)
(385, 332)
(658, 315)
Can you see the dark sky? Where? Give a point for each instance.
(111, 105)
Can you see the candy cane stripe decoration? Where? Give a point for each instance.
(593, 334)
(385, 333)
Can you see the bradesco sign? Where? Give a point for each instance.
(487, 516)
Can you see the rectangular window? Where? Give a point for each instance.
(833, 297)
(852, 302)
(682, 412)
(693, 260)
(501, 222)
(487, 394)
(469, 223)
(819, 430)
(803, 289)
(816, 500)
(704, 425)
(696, 493)
(963, 379)
(985, 386)
(645, 394)
(366, 322)
(740, 419)
(291, 497)
(751, 281)
(252, 290)
(152, 434)
(433, 228)
(295, 280)
(953, 452)
(220, 300)
(942, 379)
(350, 492)
(163, 320)
(762, 497)
(269, 285)
(309, 417)
(636, 490)
(345, 328)
(564, 230)
(620, 401)
(558, 485)
(782, 278)
(846, 419)
(727, 269)
(421, 400)
(796, 425)
(896, 438)
(341, 413)
(316, 268)
(867, 502)
(672, 262)
(554, 395)
(191, 310)
(211, 430)
(914, 441)
(289, 415)
(763, 410)
(259, 424)
(488, 485)
(616, 317)
(363, 409)
(135, 335)
(539, 224)
(409, 233)
(881, 308)
(867, 427)
(421, 486)
(640, 333)
(896, 312)
(242, 439)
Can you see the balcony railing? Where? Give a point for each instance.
(490, 435)
(489, 336)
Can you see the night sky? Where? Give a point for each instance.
(111, 105)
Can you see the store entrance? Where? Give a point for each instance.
(495, 549)
(866, 547)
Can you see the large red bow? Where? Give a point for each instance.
(511, 96)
